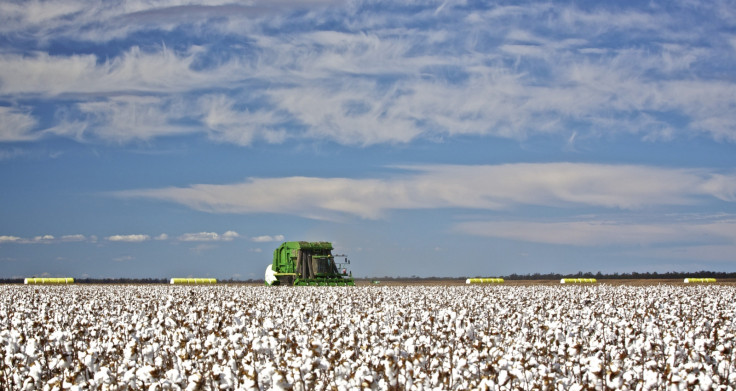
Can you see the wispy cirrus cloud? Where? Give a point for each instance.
(133, 71)
(16, 124)
(100, 21)
(374, 80)
(444, 186)
(592, 232)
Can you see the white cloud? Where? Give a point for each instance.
(127, 118)
(161, 237)
(240, 127)
(124, 258)
(209, 237)
(446, 186)
(16, 125)
(133, 71)
(543, 70)
(230, 235)
(43, 239)
(128, 238)
(103, 21)
(200, 237)
(602, 233)
(267, 238)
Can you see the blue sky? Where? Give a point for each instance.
(447, 138)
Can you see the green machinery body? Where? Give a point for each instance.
(307, 263)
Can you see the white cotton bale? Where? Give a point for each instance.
(484, 281)
(48, 281)
(193, 281)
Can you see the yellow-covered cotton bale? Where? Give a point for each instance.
(193, 281)
(484, 281)
(578, 281)
(48, 281)
(693, 280)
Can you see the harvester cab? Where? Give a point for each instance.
(307, 263)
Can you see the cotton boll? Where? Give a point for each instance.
(144, 374)
(129, 378)
(503, 377)
(102, 376)
(30, 348)
(194, 382)
(35, 372)
(174, 376)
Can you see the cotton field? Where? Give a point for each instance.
(324, 338)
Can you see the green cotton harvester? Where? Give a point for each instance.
(307, 263)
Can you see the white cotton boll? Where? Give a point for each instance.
(723, 368)
(28, 385)
(732, 378)
(64, 364)
(169, 323)
(129, 378)
(54, 381)
(268, 324)
(279, 383)
(616, 382)
(226, 379)
(144, 374)
(249, 384)
(102, 376)
(459, 332)
(691, 379)
(35, 372)
(595, 365)
(193, 382)
(89, 362)
(174, 376)
(373, 328)
(31, 348)
(628, 376)
(705, 381)
(235, 338)
(503, 377)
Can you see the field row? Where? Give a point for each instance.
(416, 337)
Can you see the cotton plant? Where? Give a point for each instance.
(367, 338)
